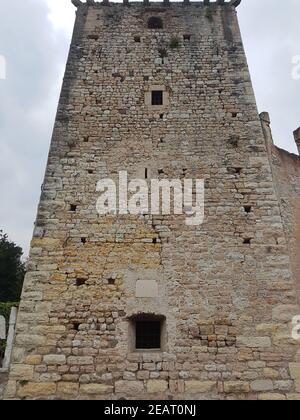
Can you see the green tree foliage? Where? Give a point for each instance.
(12, 270)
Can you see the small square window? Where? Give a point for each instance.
(157, 97)
(187, 37)
(80, 282)
(147, 332)
(148, 335)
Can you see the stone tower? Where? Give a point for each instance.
(146, 307)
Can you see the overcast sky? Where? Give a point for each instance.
(34, 39)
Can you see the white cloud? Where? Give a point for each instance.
(61, 14)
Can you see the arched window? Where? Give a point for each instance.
(155, 23)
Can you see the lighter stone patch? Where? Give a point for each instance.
(146, 289)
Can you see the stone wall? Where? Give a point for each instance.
(225, 288)
(286, 172)
(3, 382)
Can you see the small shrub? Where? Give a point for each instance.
(209, 14)
(23, 383)
(163, 52)
(174, 43)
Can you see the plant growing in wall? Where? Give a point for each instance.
(209, 14)
(163, 52)
(174, 43)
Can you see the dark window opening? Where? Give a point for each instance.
(85, 139)
(161, 172)
(247, 209)
(90, 171)
(148, 331)
(137, 39)
(157, 97)
(148, 335)
(80, 282)
(83, 241)
(186, 37)
(247, 241)
(146, 173)
(155, 240)
(235, 170)
(73, 207)
(161, 116)
(76, 326)
(155, 23)
(111, 281)
(234, 114)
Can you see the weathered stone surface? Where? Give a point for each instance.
(295, 374)
(80, 360)
(21, 371)
(68, 388)
(56, 359)
(33, 360)
(36, 390)
(271, 397)
(96, 389)
(262, 385)
(156, 386)
(271, 373)
(254, 342)
(195, 387)
(293, 397)
(285, 313)
(129, 388)
(30, 340)
(232, 387)
(295, 370)
(9, 389)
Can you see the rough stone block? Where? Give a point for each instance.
(285, 313)
(68, 388)
(36, 390)
(271, 397)
(55, 359)
(254, 342)
(262, 385)
(33, 360)
(129, 388)
(156, 386)
(80, 360)
(232, 387)
(195, 387)
(96, 389)
(21, 371)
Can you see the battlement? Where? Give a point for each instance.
(297, 138)
(93, 3)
